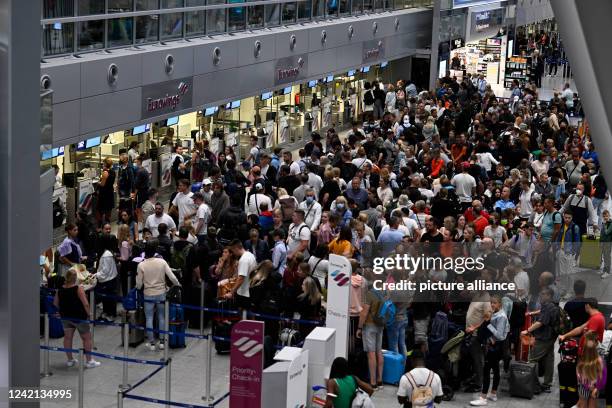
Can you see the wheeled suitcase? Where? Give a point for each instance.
(590, 253)
(568, 384)
(134, 317)
(222, 326)
(523, 379)
(177, 326)
(56, 328)
(393, 367)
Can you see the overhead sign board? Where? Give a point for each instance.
(167, 97)
(290, 69)
(470, 3)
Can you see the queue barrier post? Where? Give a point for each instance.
(168, 380)
(81, 391)
(126, 339)
(166, 328)
(92, 315)
(201, 308)
(119, 399)
(46, 370)
(207, 369)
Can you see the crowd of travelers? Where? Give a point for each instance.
(456, 169)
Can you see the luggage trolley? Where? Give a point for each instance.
(319, 396)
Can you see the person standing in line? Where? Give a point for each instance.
(106, 192)
(478, 312)
(106, 276)
(69, 251)
(202, 218)
(341, 385)
(246, 265)
(419, 377)
(183, 201)
(159, 217)
(72, 303)
(605, 240)
(142, 184)
(499, 327)
(543, 331)
(567, 249)
(151, 276)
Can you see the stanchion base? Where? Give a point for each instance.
(124, 388)
(211, 398)
(44, 375)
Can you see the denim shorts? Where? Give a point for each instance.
(372, 338)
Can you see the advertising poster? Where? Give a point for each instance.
(86, 191)
(146, 164)
(297, 383)
(246, 364)
(165, 165)
(338, 301)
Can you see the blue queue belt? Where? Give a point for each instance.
(61, 349)
(173, 403)
(211, 309)
(145, 379)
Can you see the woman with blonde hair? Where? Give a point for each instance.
(591, 373)
(192, 237)
(124, 238)
(72, 303)
(342, 211)
(309, 304)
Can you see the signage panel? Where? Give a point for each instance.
(167, 97)
(339, 284)
(290, 69)
(246, 364)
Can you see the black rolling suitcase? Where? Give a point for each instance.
(523, 379)
(568, 384)
(222, 326)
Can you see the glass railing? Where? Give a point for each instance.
(78, 26)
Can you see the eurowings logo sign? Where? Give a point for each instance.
(248, 347)
(340, 278)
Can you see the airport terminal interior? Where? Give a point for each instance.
(264, 204)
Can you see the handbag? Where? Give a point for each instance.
(226, 287)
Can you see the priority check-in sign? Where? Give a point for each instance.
(246, 364)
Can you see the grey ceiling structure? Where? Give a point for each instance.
(586, 32)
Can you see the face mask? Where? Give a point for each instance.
(309, 200)
(578, 193)
(340, 206)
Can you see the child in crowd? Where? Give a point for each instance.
(591, 373)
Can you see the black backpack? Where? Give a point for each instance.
(368, 98)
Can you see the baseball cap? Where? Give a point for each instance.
(465, 165)
(207, 182)
(258, 186)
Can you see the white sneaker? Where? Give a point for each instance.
(605, 275)
(161, 345)
(480, 402)
(492, 397)
(92, 364)
(72, 363)
(150, 346)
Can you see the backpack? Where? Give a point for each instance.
(257, 157)
(383, 311)
(439, 328)
(179, 258)
(562, 323)
(361, 399)
(287, 206)
(422, 395)
(368, 98)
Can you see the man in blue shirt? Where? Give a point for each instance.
(358, 194)
(276, 161)
(391, 237)
(504, 202)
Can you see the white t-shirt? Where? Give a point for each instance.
(255, 200)
(486, 160)
(297, 234)
(184, 202)
(294, 169)
(204, 213)
(361, 161)
(496, 234)
(153, 222)
(411, 225)
(419, 376)
(320, 272)
(521, 280)
(525, 202)
(464, 183)
(254, 153)
(246, 264)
